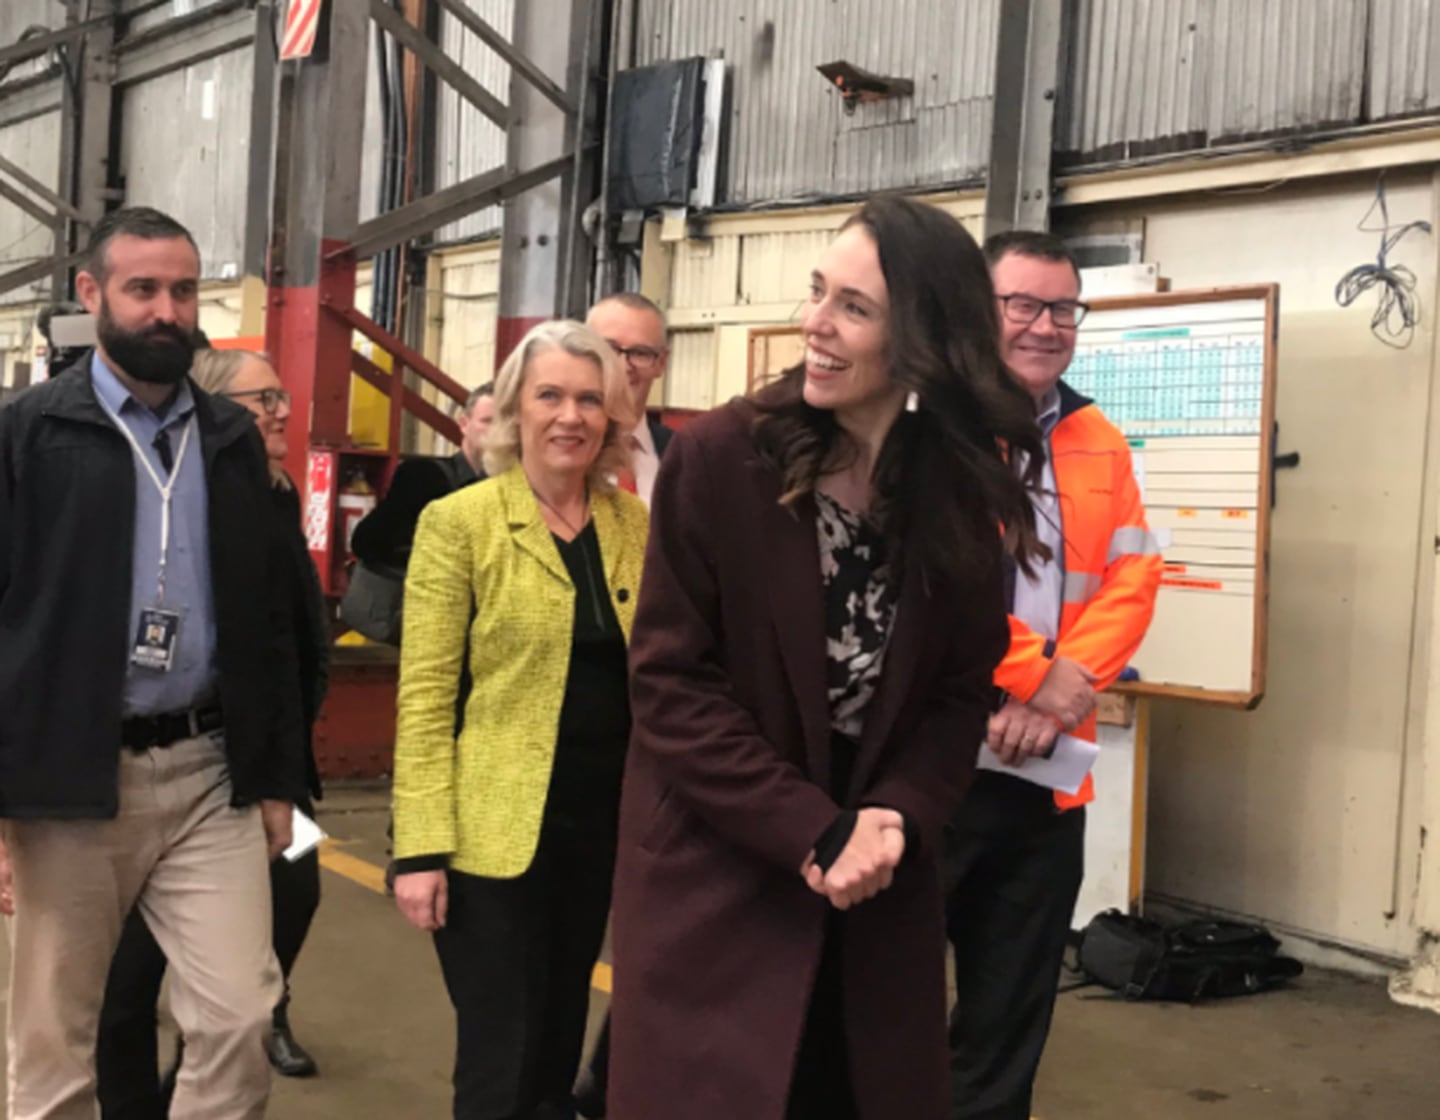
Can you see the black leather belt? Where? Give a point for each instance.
(140, 733)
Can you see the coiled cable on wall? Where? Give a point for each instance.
(1398, 310)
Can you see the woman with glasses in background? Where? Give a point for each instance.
(249, 379)
(127, 1045)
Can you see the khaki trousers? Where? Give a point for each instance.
(198, 870)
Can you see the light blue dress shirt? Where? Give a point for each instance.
(1038, 599)
(192, 677)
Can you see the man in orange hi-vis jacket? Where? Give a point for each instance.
(1015, 852)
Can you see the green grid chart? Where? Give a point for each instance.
(1206, 379)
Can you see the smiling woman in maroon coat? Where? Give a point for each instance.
(821, 612)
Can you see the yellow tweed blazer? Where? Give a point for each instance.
(479, 799)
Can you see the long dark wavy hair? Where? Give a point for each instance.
(945, 478)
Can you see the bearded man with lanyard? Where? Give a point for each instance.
(150, 727)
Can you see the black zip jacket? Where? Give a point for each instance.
(67, 513)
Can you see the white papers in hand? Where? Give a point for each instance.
(305, 836)
(1064, 770)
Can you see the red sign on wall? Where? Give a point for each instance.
(319, 506)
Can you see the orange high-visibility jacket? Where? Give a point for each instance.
(1111, 564)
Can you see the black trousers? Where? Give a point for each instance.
(517, 956)
(821, 1088)
(127, 1049)
(1013, 871)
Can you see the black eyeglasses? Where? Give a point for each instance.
(641, 357)
(270, 399)
(1023, 309)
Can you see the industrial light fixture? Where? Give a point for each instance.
(856, 85)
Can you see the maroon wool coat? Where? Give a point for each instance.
(716, 936)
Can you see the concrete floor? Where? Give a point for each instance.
(369, 1003)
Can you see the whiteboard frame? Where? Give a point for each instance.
(1270, 295)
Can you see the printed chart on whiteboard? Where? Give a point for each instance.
(1188, 378)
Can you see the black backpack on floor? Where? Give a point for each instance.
(1141, 959)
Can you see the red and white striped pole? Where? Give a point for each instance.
(302, 22)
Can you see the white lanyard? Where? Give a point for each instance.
(165, 489)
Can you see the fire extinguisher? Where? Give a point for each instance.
(355, 500)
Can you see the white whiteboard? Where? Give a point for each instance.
(1189, 378)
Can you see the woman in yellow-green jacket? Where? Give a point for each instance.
(505, 828)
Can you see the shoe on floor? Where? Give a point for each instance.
(289, 1058)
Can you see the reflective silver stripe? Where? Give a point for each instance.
(1132, 540)
(1080, 587)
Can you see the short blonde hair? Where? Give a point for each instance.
(214, 370)
(502, 444)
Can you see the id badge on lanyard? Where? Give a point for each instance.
(157, 634)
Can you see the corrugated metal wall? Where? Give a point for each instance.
(788, 134)
(469, 142)
(1144, 77)
(1180, 74)
(1285, 64)
(185, 144)
(1405, 65)
(184, 149)
(1136, 74)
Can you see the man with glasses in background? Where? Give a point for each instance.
(1015, 851)
(635, 329)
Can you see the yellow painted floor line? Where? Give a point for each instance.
(352, 867)
(372, 878)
